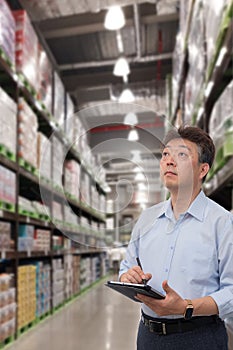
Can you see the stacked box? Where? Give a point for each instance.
(68, 272)
(26, 48)
(76, 274)
(26, 238)
(197, 64)
(58, 288)
(59, 101)
(7, 31)
(42, 239)
(69, 216)
(70, 119)
(85, 272)
(85, 189)
(57, 211)
(57, 242)
(94, 198)
(7, 307)
(5, 235)
(44, 156)
(72, 178)
(57, 161)
(213, 13)
(8, 129)
(26, 297)
(45, 79)
(27, 133)
(43, 288)
(7, 185)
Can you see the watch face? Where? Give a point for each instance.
(188, 313)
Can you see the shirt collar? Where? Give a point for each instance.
(196, 209)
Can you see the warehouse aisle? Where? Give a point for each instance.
(100, 319)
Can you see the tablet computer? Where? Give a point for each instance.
(130, 290)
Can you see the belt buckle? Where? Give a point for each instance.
(163, 332)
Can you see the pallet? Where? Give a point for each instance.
(27, 166)
(7, 153)
(27, 85)
(26, 328)
(6, 341)
(7, 206)
(4, 56)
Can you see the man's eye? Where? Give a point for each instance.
(182, 155)
(164, 154)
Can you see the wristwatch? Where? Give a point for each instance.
(189, 310)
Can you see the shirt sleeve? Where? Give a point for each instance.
(132, 249)
(224, 296)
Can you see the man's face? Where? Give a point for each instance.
(179, 165)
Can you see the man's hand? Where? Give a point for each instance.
(173, 304)
(135, 275)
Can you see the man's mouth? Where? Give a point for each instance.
(169, 172)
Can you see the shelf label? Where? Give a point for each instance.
(27, 219)
(1, 213)
(29, 253)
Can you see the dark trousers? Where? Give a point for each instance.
(208, 337)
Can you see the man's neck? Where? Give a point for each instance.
(181, 201)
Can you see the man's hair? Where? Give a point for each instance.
(205, 145)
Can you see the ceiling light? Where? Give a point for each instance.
(139, 177)
(121, 67)
(114, 18)
(126, 96)
(133, 135)
(131, 119)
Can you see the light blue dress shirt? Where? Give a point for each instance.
(194, 253)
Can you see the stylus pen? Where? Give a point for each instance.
(144, 280)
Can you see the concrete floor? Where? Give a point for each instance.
(100, 319)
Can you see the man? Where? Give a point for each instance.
(185, 246)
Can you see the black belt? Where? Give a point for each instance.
(166, 326)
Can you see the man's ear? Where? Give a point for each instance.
(204, 169)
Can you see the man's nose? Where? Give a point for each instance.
(171, 160)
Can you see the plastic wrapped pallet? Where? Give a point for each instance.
(72, 178)
(57, 161)
(8, 121)
(7, 31)
(26, 48)
(70, 119)
(27, 133)
(5, 235)
(7, 185)
(44, 156)
(7, 307)
(45, 79)
(59, 101)
(213, 12)
(196, 49)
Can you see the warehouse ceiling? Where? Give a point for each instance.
(84, 53)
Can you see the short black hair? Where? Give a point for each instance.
(206, 148)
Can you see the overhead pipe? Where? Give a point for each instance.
(151, 58)
(137, 30)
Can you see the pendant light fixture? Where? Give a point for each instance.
(133, 135)
(131, 119)
(114, 18)
(121, 67)
(126, 96)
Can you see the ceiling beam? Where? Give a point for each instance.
(98, 27)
